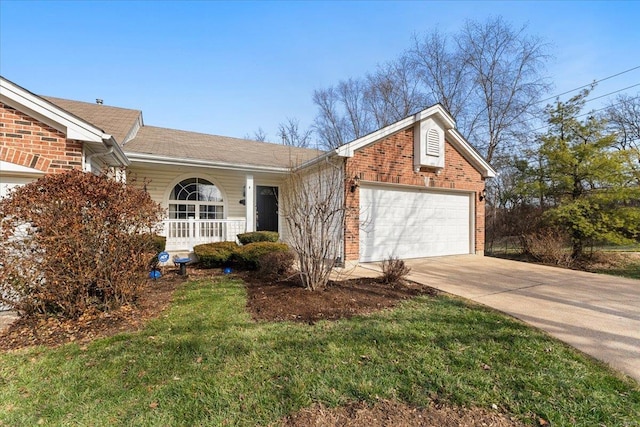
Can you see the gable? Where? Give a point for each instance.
(430, 128)
(70, 127)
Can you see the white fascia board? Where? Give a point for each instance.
(176, 161)
(470, 154)
(440, 114)
(348, 149)
(318, 159)
(31, 104)
(118, 154)
(436, 111)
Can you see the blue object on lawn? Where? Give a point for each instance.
(155, 274)
(163, 256)
(227, 270)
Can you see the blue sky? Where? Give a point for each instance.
(229, 68)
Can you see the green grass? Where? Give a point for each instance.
(205, 362)
(631, 271)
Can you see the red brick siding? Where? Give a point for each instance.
(27, 142)
(391, 161)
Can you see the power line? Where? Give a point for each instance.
(518, 145)
(611, 93)
(590, 84)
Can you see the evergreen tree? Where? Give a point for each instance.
(592, 191)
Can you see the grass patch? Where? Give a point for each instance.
(205, 362)
(631, 271)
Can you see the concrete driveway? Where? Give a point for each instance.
(595, 313)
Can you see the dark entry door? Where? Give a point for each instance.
(267, 208)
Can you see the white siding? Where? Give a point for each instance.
(160, 179)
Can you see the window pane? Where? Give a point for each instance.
(182, 211)
(209, 192)
(196, 189)
(211, 212)
(185, 190)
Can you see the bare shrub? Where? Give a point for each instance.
(394, 270)
(74, 241)
(314, 210)
(550, 246)
(276, 265)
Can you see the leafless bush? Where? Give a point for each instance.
(550, 246)
(394, 270)
(314, 210)
(276, 265)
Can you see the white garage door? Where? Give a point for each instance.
(9, 182)
(409, 223)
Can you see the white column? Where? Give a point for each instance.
(250, 208)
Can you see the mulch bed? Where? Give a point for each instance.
(391, 413)
(52, 332)
(288, 301)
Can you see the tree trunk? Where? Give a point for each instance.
(577, 249)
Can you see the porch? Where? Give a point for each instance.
(183, 234)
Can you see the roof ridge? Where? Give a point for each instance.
(48, 98)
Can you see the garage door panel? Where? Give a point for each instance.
(8, 183)
(412, 224)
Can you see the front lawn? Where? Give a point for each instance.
(205, 362)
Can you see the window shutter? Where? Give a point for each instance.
(433, 143)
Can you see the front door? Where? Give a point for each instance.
(267, 208)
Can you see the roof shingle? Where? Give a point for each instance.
(115, 121)
(179, 144)
(198, 146)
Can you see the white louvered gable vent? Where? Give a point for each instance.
(433, 142)
(428, 144)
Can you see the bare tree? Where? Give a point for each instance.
(442, 72)
(291, 134)
(489, 76)
(393, 92)
(314, 211)
(330, 124)
(352, 98)
(623, 115)
(259, 135)
(356, 107)
(505, 65)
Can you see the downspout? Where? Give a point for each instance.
(112, 148)
(87, 160)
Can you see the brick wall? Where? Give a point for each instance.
(26, 142)
(391, 161)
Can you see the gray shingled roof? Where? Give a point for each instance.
(115, 121)
(179, 144)
(198, 146)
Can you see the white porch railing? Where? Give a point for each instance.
(184, 234)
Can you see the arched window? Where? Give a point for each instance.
(196, 198)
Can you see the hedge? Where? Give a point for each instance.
(159, 243)
(258, 236)
(216, 254)
(249, 254)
